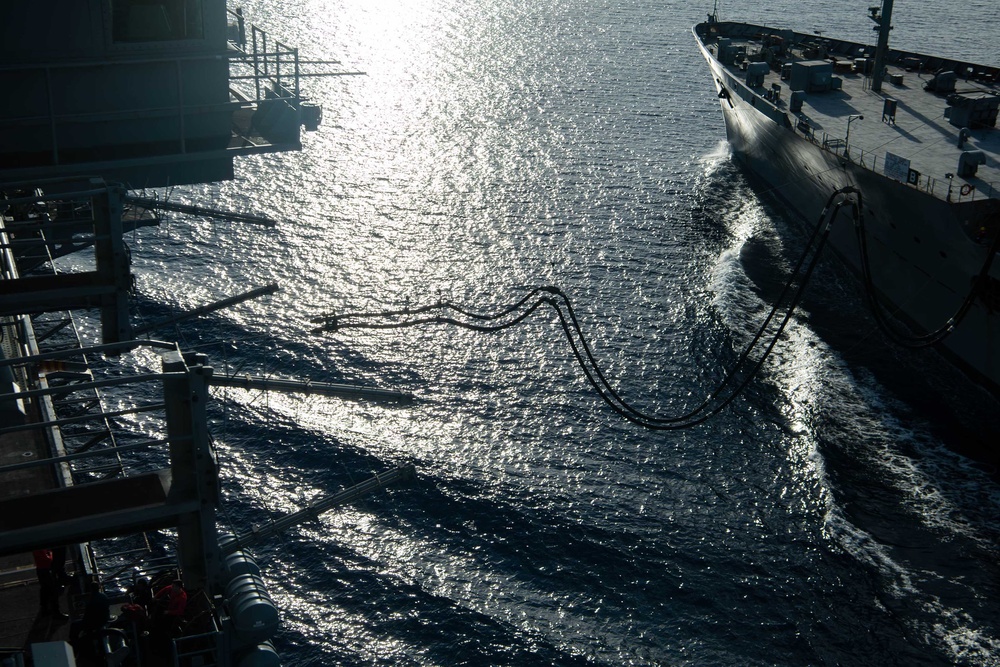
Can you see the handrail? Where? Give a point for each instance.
(265, 62)
(925, 183)
(93, 453)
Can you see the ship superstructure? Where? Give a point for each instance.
(142, 93)
(913, 136)
(100, 98)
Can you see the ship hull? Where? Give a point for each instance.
(922, 257)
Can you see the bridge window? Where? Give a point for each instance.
(156, 20)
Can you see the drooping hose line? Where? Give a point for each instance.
(444, 312)
(706, 409)
(929, 338)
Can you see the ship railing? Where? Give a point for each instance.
(81, 406)
(204, 650)
(946, 189)
(202, 642)
(68, 412)
(42, 351)
(37, 231)
(263, 68)
(119, 570)
(142, 445)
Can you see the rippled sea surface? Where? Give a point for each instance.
(827, 517)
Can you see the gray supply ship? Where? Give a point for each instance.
(908, 140)
(100, 98)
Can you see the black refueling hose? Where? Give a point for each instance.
(736, 378)
(929, 338)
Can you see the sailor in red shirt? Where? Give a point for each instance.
(48, 588)
(171, 601)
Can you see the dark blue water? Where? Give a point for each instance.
(825, 518)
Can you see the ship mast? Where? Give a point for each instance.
(883, 22)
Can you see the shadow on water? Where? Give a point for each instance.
(322, 358)
(454, 515)
(407, 617)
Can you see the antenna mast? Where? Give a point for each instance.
(883, 24)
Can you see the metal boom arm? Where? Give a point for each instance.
(259, 533)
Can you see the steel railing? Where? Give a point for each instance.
(945, 189)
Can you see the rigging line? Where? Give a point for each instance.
(881, 323)
(339, 324)
(691, 420)
(582, 350)
(335, 322)
(660, 425)
(733, 371)
(892, 312)
(875, 328)
(930, 338)
(611, 398)
(332, 322)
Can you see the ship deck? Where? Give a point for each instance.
(920, 131)
(21, 621)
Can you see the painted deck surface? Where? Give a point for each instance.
(920, 131)
(21, 623)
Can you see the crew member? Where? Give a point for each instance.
(171, 602)
(48, 588)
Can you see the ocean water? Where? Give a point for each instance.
(829, 516)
